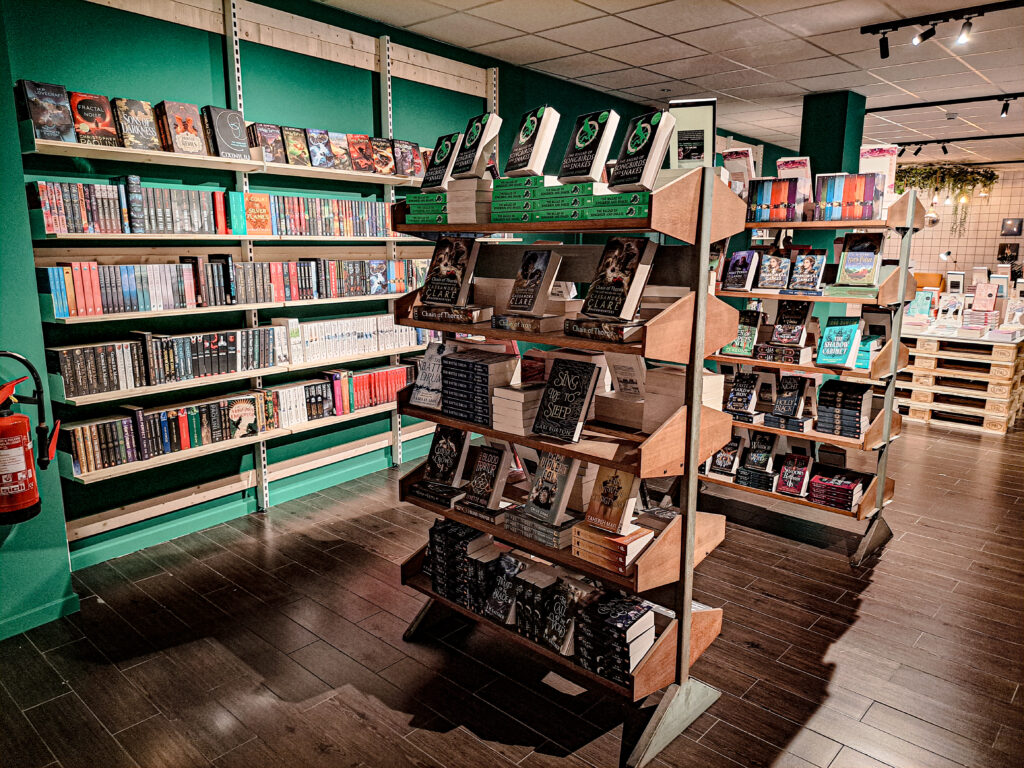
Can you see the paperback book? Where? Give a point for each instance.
(360, 152)
(439, 169)
(487, 477)
(613, 500)
(789, 402)
(761, 453)
(530, 148)
(46, 106)
(450, 274)
(746, 334)
(295, 148)
(791, 323)
(726, 460)
(794, 475)
(533, 282)
(589, 143)
(840, 342)
(180, 128)
(774, 274)
(426, 392)
(94, 119)
(642, 152)
(740, 271)
(136, 128)
(566, 400)
(551, 488)
(620, 279)
(806, 273)
(268, 140)
(477, 141)
(858, 264)
(225, 133)
(383, 156)
(320, 153)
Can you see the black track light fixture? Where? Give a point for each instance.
(900, 153)
(920, 37)
(883, 46)
(965, 32)
(918, 150)
(1006, 108)
(945, 149)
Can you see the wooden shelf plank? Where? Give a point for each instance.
(331, 421)
(870, 440)
(879, 366)
(222, 238)
(846, 224)
(865, 509)
(783, 297)
(351, 358)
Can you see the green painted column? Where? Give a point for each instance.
(35, 573)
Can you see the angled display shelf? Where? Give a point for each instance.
(870, 440)
(888, 291)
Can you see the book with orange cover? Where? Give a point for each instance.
(257, 214)
(849, 196)
(777, 212)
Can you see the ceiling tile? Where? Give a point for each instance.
(578, 65)
(399, 14)
(832, 17)
(835, 82)
(681, 16)
(902, 72)
(526, 49)
(940, 82)
(664, 91)
(765, 91)
(463, 29)
(650, 51)
(765, 7)
(1006, 75)
(881, 89)
(898, 54)
(847, 41)
(738, 79)
(995, 59)
(535, 15)
(755, 56)
(460, 5)
(695, 66)
(734, 34)
(597, 33)
(827, 65)
(625, 78)
(998, 40)
(618, 6)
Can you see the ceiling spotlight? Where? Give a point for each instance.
(945, 255)
(948, 200)
(900, 153)
(883, 46)
(935, 198)
(945, 150)
(918, 150)
(920, 37)
(965, 32)
(983, 193)
(1005, 109)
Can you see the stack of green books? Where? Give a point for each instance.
(542, 198)
(427, 208)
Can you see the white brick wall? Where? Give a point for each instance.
(978, 246)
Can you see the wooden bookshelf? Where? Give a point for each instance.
(888, 292)
(340, 360)
(120, 236)
(862, 511)
(674, 209)
(879, 366)
(896, 218)
(664, 337)
(333, 421)
(868, 441)
(209, 162)
(659, 454)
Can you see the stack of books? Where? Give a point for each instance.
(450, 544)
(869, 347)
(544, 198)
(554, 535)
(514, 408)
(468, 380)
(848, 196)
(844, 408)
(754, 478)
(427, 208)
(480, 574)
(613, 551)
(535, 588)
(469, 201)
(613, 634)
(835, 488)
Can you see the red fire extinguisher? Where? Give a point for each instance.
(19, 492)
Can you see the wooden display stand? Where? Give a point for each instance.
(684, 332)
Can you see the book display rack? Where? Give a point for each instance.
(896, 287)
(699, 208)
(114, 249)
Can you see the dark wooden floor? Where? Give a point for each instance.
(275, 641)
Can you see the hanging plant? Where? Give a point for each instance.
(958, 182)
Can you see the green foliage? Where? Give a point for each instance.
(957, 181)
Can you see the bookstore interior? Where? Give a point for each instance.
(511, 382)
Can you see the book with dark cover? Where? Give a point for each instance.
(360, 152)
(426, 392)
(383, 156)
(487, 477)
(603, 330)
(642, 152)
(225, 132)
(405, 157)
(532, 143)
(268, 139)
(746, 334)
(790, 400)
(739, 275)
(136, 128)
(589, 142)
(321, 155)
(447, 456)
(438, 172)
(551, 488)
(241, 417)
(295, 148)
(339, 149)
(180, 128)
(619, 619)
(726, 460)
(620, 278)
(533, 282)
(774, 273)
(566, 399)
(742, 395)
(450, 274)
(613, 500)
(471, 159)
(806, 272)
(791, 323)
(94, 119)
(501, 600)
(761, 452)
(46, 105)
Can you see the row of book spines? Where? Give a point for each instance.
(846, 197)
(407, 155)
(129, 208)
(772, 200)
(90, 289)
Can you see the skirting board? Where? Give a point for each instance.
(41, 614)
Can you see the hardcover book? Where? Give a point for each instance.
(642, 152)
(742, 396)
(383, 156)
(439, 170)
(46, 105)
(447, 456)
(739, 273)
(225, 133)
(471, 159)
(450, 274)
(566, 400)
(774, 274)
(136, 128)
(180, 128)
(295, 147)
(321, 155)
(589, 143)
(613, 500)
(426, 392)
(267, 138)
(807, 270)
(530, 148)
(858, 264)
(794, 475)
(790, 399)
(551, 488)
(94, 119)
(360, 152)
(620, 279)
(726, 460)
(487, 477)
(405, 157)
(761, 452)
(791, 323)
(339, 148)
(746, 334)
(840, 342)
(533, 282)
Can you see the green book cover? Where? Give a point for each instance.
(236, 212)
(839, 341)
(746, 335)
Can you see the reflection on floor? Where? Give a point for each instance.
(275, 640)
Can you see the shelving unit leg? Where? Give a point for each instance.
(431, 612)
(680, 705)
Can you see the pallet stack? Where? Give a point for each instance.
(965, 383)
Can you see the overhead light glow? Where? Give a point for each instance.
(920, 37)
(965, 33)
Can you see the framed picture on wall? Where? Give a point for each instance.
(1008, 252)
(1011, 227)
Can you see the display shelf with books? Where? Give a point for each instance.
(896, 217)
(869, 440)
(880, 367)
(866, 509)
(888, 291)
